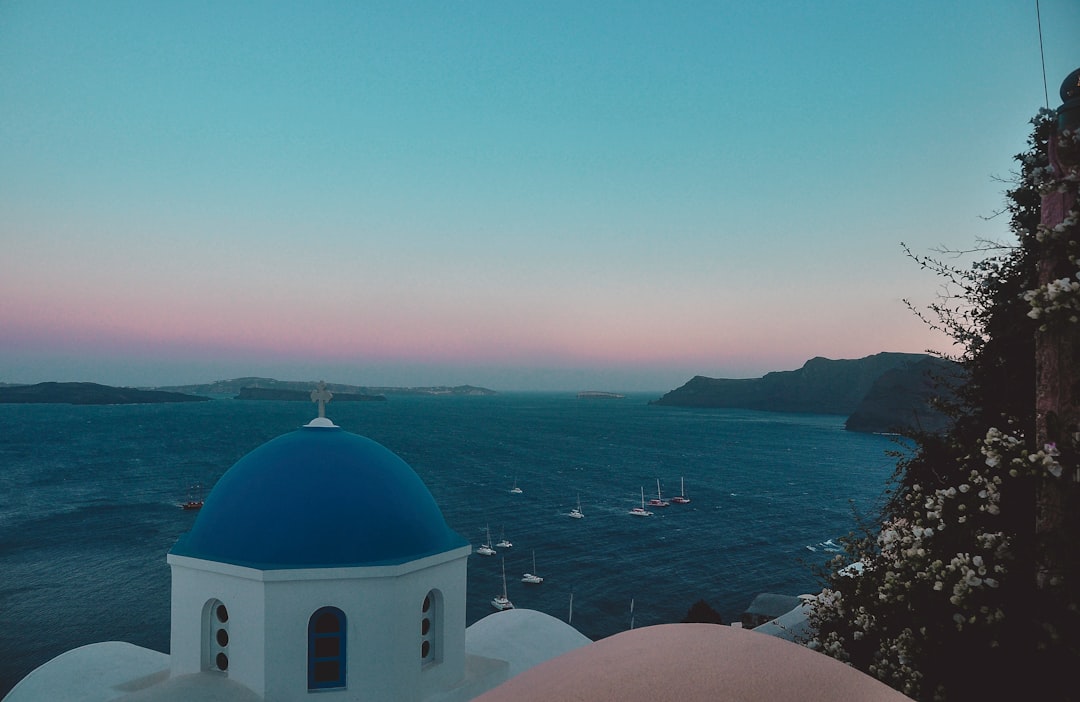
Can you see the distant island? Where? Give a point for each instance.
(886, 392)
(303, 395)
(255, 385)
(599, 395)
(250, 388)
(89, 394)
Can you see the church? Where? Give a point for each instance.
(321, 564)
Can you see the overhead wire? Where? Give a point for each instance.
(1042, 55)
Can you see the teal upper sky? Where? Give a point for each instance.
(519, 195)
(318, 497)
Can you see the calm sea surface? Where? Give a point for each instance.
(89, 504)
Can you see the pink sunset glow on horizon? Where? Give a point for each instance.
(643, 352)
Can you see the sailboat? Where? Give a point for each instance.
(485, 548)
(641, 511)
(532, 578)
(515, 490)
(658, 501)
(502, 602)
(195, 498)
(576, 511)
(681, 498)
(503, 542)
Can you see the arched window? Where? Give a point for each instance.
(215, 637)
(326, 649)
(431, 629)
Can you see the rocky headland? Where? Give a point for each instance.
(886, 392)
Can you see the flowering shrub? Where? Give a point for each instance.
(939, 599)
(1056, 299)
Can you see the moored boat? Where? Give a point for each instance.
(532, 578)
(485, 548)
(681, 498)
(659, 500)
(576, 512)
(641, 511)
(502, 602)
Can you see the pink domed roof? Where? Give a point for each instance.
(690, 663)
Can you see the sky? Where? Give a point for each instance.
(517, 195)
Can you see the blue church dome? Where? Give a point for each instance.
(318, 497)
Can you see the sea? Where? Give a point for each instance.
(90, 504)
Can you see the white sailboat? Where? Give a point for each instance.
(681, 498)
(502, 602)
(641, 511)
(485, 548)
(576, 512)
(532, 578)
(659, 500)
(503, 541)
(515, 490)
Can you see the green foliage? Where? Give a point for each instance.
(945, 603)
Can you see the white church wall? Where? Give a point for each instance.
(270, 611)
(194, 584)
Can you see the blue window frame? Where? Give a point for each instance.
(326, 649)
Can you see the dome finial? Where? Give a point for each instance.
(322, 396)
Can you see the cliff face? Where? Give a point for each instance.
(825, 386)
(902, 398)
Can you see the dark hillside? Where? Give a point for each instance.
(822, 386)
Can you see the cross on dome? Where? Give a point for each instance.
(322, 396)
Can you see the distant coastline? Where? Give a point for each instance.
(89, 394)
(287, 395)
(260, 386)
(599, 395)
(250, 388)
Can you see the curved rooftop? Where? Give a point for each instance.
(692, 662)
(522, 637)
(318, 497)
